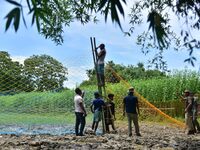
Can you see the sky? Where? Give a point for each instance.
(75, 53)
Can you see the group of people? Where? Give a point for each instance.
(191, 110)
(101, 108)
(106, 109)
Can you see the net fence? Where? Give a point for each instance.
(37, 93)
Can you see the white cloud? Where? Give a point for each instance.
(19, 59)
(75, 76)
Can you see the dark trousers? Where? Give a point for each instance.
(80, 121)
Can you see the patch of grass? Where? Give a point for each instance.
(40, 118)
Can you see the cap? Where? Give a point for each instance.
(131, 88)
(186, 91)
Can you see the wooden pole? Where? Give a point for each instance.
(96, 66)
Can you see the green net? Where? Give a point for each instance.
(40, 92)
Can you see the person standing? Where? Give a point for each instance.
(110, 113)
(80, 112)
(131, 107)
(96, 108)
(195, 114)
(100, 63)
(188, 100)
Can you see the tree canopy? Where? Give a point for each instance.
(38, 73)
(45, 72)
(128, 73)
(10, 73)
(51, 16)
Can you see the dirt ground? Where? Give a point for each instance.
(154, 136)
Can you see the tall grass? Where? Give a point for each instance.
(168, 88)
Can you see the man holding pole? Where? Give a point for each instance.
(97, 108)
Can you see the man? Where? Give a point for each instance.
(110, 113)
(100, 63)
(96, 109)
(188, 100)
(80, 112)
(131, 108)
(195, 114)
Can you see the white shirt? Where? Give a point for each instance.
(77, 100)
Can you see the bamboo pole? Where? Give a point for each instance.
(94, 54)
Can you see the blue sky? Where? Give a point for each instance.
(75, 52)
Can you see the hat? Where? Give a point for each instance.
(186, 91)
(131, 88)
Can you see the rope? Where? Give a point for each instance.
(179, 123)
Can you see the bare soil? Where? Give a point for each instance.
(154, 136)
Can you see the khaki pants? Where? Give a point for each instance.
(133, 118)
(188, 122)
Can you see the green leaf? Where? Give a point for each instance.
(17, 19)
(112, 5)
(14, 3)
(23, 18)
(151, 20)
(120, 7)
(194, 58)
(13, 15)
(102, 4)
(33, 18)
(29, 5)
(38, 22)
(9, 19)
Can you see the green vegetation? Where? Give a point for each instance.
(39, 118)
(39, 73)
(41, 102)
(127, 73)
(58, 107)
(170, 88)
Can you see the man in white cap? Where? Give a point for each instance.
(131, 108)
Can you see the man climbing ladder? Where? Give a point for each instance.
(100, 63)
(98, 58)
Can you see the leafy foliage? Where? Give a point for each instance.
(128, 73)
(11, 75)
(163, 36)
(51, 16)
(45, 72)
(39, 73)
